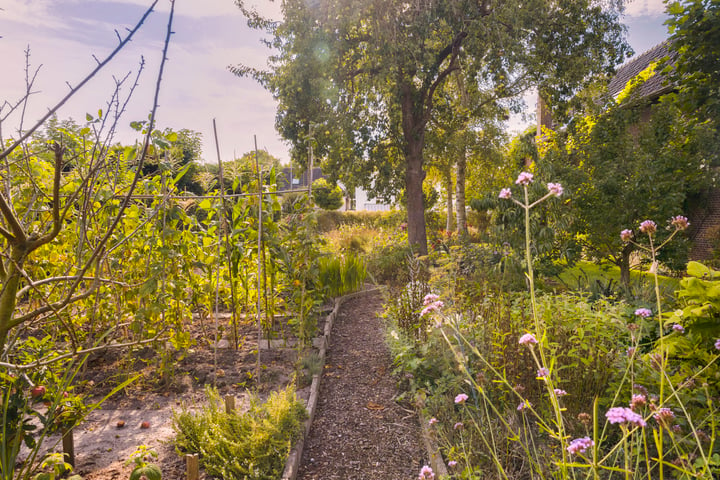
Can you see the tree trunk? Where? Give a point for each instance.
(413, 127)
(460, 196)
(414, 176)
(449, 191)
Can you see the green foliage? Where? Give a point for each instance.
(327, 196)
(237, 446)
(695, 69)
(341, 275)
(360, 81)
(143, 468)
(630, 163)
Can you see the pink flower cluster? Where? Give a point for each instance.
(559, 392)
(432, 421)
(717, 344)
(431, 303)
(426, 473)
(678, 328)
(458, 426)
(638, 401)
(664, 416)
(626, 235)
(643, 312)
(580, 445)
(679, 222)
(505, 193)
(555, 188)
(648, 226)
(452, 463)
(543, 372)
(525, 178)
(624, 415)
(461, 398)
(524, 405)
(528, 339)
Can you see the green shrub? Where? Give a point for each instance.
(327, 196)
(235, 446)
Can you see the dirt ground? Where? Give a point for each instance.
(145, 408)
(360, 431)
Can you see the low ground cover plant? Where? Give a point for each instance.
(235, 445)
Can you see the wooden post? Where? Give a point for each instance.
(68, 443)
(193, 467)
(229, 404)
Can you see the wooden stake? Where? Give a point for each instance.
(69, 446)
(193, 467)
(229, 404)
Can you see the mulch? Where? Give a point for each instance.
(360, 432)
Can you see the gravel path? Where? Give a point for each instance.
(359, 431)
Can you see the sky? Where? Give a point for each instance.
(63, 36)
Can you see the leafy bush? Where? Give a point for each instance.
(250, 445)
(326, 196)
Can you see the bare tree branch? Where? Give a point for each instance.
(100, 66)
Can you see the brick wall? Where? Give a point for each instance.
(705, 231)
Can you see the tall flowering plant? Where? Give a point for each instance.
(627, 440)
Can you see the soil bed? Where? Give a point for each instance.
(102, 448)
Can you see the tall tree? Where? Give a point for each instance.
(695, 28)
(630, 163)
(368, 72)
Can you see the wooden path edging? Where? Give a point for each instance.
(292, 465)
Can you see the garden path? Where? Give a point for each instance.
(359, 431)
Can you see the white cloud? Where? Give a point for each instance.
(645, 8)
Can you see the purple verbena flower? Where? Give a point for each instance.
(679, 222)
(626, 235)
(624, 415)
(505, 193)
(452, 464)
(426, 473)
(543, 372)
(430, 298)
(524, 405)
(555, 188)
(648, 226)
(559, 392)
(678, 328)
(434, 306)
(461, 398)
(528, 339)
(458, 426)
(643, 312)
(717, 344)
(638, 401)
(664, 416)
(580, 445)
(432, 421)
(525, 178)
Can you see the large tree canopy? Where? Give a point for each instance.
(695, 25)
(359, 78)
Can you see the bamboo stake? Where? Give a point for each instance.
(259, 275)
(225, 229)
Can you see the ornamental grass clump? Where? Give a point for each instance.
(652, 415)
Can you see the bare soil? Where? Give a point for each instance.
(359, 432)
